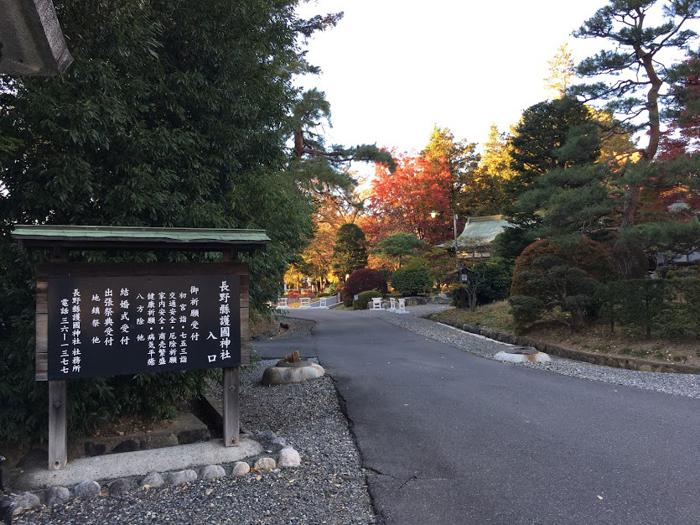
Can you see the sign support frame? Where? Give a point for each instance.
(60, 239)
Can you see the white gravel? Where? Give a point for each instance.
(328, 488)
(670, 383)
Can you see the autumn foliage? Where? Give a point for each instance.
(403, 201)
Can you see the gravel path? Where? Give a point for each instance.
(329, 487)
(677, 384)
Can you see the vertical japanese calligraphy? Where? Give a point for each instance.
(135, 324)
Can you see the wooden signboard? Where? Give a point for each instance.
(107, 326)
(100, 320)
(107, 320)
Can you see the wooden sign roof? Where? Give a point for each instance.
(139, 238)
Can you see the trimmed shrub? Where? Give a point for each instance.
(562, 275)
(364, 298)
(411, 281)
(525, 310)
(361, 281)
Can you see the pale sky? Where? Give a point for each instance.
(392, 69)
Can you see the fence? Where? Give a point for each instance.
(320, 303)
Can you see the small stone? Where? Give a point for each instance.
(522, 356)
(56, 495)
(120, 487)
(212, 472)
(265, 464)
(86, 489)
(280, 442)
(280, 375)
(266, 435)
(95, 449)
(289, 457)
(152, 480)
(25, 501)
(240, 468)
(128, 445)
(181, 477)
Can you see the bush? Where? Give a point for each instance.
(364, 298)
(460, 296)
(563, 275)
(525, 310)
(411, 281)
(495, 284)
(361, 281)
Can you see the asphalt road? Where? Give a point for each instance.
(451, 438)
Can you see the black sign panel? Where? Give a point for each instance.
(106, 326)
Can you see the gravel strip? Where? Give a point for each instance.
(328, 488)
(670, 383)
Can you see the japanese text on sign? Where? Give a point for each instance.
(122, 325)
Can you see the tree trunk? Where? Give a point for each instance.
(634, 191)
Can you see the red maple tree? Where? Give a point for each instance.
(414, 198)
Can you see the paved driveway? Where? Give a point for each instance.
(451, 438)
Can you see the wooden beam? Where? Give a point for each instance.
(231, 406)
(42, 331)
(58, 442)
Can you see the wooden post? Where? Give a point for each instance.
(58, 443)
(231, 406)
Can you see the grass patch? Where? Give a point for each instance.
(594, 338)
(494, 315)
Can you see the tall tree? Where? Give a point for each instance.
(350, 250)
(459, 158)
(561, 71)
(486, 194)
(542, 130)
(173, 114)
(631, 73)
(574, 198)
(415, 198)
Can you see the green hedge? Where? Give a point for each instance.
(411, 281)
(364, 298)
(666, 307)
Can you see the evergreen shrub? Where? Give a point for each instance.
(562, 275)
(364, 298)
(411, 281)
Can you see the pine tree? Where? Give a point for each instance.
(542, 130)
(630, 72)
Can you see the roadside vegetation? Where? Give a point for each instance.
(624, 342)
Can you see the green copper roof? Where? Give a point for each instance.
(481, 231)
(130, 236)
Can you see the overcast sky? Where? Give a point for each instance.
(392, 69)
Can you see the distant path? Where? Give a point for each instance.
(451, 438)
